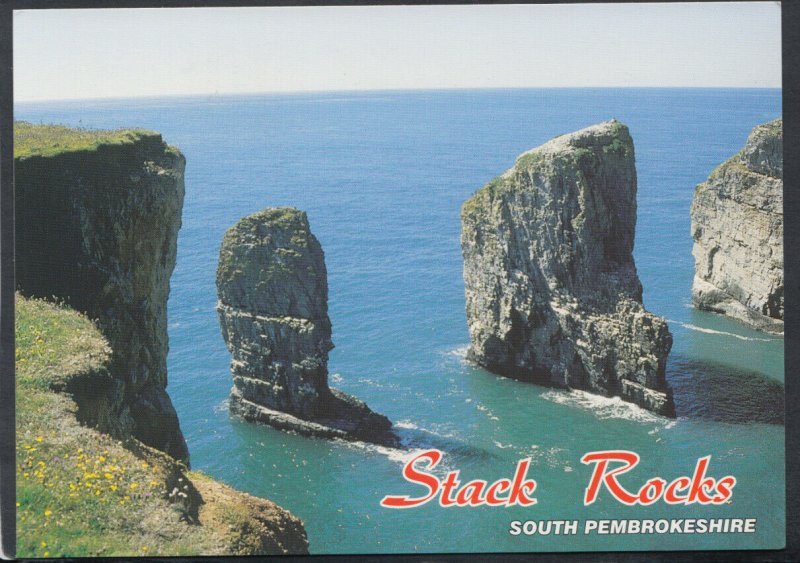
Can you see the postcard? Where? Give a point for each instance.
(399, 279)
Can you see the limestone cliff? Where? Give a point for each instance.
(273, 310)
(97, 219)
(552, 294)
(737, 227)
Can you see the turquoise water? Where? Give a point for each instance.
(382, 176)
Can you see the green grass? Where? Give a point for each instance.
(55, 344)
(734, 162)
(616, 147)
(265, 224)
(274, 217)
(80, 492)
(483, 198)
(49, 140)
(582, 156)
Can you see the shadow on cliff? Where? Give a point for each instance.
(711, 391)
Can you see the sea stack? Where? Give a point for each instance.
(552, 294)
(272, 286)
(737, 227)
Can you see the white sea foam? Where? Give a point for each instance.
(221, 407)
(605, 407)
(378, 384)
(397, 455)
(550, 457)
(409, 425)
(719, 332)
(406, 424)
(336, 378)
(460, 352)
(501, 445)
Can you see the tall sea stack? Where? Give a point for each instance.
(737, 227)
(552, 294)
(272, 286)
(97, 219)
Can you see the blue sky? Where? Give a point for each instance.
(64, 54)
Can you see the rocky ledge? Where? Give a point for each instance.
(552, 294)
(737, 227)
(272, 286)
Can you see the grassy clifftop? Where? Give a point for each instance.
(83, 493)
(49, 140)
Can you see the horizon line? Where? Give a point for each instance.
(379, 90)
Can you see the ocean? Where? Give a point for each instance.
(382, 176)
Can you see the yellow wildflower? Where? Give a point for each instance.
(48, 513)
(39, 439)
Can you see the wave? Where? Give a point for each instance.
(406, 424)
(720, 332)
(459, 352)
(605, 407)
(485, 410)
(553, 457)
(399, 455)
(415, 438)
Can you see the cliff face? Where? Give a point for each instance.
(273, 309)
(552, 294)
(737, 227)
(97, 218)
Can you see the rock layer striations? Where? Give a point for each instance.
(737, 227)
(552, 294)
(273, 310)
(97, 219)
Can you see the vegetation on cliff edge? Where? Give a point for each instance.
(83, 493)
(49, 140)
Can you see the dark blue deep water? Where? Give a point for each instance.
(382, 177)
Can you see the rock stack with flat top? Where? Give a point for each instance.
(552, 293)
(273, 309)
